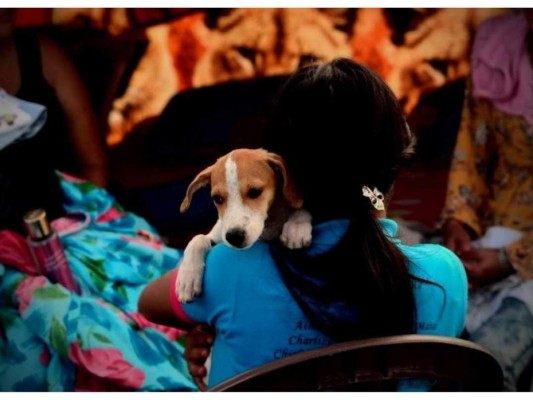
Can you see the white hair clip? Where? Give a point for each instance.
(376, 197)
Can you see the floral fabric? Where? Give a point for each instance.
(491, 176)
(54, 340)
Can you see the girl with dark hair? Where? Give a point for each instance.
(356, 279)
(323, 110)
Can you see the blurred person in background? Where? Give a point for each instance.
(35, 69)
(489, 205)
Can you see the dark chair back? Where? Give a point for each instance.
(377, 365)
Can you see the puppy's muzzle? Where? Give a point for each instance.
(236, 237)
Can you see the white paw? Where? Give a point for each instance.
(296, 234)
(189, 281)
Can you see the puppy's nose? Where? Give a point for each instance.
(235, 237)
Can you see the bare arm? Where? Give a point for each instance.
(80, 118)
(155, 305)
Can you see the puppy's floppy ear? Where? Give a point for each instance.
(289, 189)
(201, 180)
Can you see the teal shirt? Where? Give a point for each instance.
(258, 321)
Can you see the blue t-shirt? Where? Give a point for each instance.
(258, 321)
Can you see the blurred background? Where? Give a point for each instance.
(175, 88)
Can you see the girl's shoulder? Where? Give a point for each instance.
(227, 259)
(435, 263)
(429, 252)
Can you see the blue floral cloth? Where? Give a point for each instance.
(52, 339)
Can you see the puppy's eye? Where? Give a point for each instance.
(218, 199)
(254, 193)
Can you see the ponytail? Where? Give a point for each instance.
(360, 288)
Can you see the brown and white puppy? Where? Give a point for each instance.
(255, 199)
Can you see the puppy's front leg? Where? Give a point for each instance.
(191, 270)
(297, 231)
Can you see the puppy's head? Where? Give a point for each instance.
(243, 187)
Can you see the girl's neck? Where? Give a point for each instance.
(380, 214)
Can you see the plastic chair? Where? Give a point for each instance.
(377, 365)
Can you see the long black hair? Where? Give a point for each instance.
(339, 127)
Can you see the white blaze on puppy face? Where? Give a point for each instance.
(244, 196)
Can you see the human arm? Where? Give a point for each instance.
(457, 236)
(81, 121)
(489, 265)
(159, 302)
(484, 266)
(155, 302)
(157, 307)
(442, 295)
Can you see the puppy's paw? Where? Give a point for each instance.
(189, 282)
(296, 234)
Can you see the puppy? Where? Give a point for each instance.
(255, 199)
